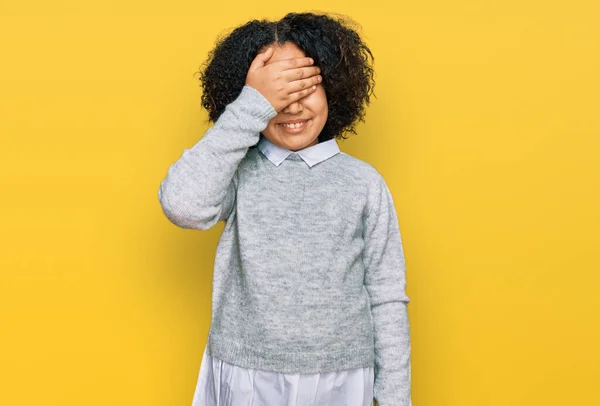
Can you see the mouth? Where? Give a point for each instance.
(294, 128)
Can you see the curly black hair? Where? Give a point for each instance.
(332, 40)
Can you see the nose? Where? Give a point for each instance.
(293, 108)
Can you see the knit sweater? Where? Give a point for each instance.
(309, 273)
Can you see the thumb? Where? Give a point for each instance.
(260, 59)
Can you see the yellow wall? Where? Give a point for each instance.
(486, 128)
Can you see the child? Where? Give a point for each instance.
(309, 304)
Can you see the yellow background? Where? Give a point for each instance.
(485, 127)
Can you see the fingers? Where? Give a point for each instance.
(291, 63)
(293, 97)
(301, 73)
(298, 85)
(300, 80)
(261, 59)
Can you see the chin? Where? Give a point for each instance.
(301, 143)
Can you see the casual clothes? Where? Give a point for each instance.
(309, 274)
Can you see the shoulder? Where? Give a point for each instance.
(361, 170)
(367, 178)
(371, 181)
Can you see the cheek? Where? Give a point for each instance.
(318, 102)
(323, 101)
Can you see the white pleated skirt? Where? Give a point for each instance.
(224, 384)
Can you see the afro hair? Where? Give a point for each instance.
(331, 40)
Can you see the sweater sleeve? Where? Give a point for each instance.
(199, 189)
(385, 282)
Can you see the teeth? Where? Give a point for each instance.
(295, 125)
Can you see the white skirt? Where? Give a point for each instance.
(224, 384)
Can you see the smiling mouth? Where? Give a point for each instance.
(294, 125)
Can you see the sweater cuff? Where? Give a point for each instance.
(262, 107)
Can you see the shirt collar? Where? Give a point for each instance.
(311, 155)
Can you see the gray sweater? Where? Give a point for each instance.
(309, 273)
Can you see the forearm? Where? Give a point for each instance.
(199, 188)
(392, 386)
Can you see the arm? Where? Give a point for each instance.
(385, 282)
(199, 188)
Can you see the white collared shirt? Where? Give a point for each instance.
(311, 155)
(221, 383)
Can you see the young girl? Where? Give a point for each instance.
(309, 304)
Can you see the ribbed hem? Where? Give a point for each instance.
(289, 362)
